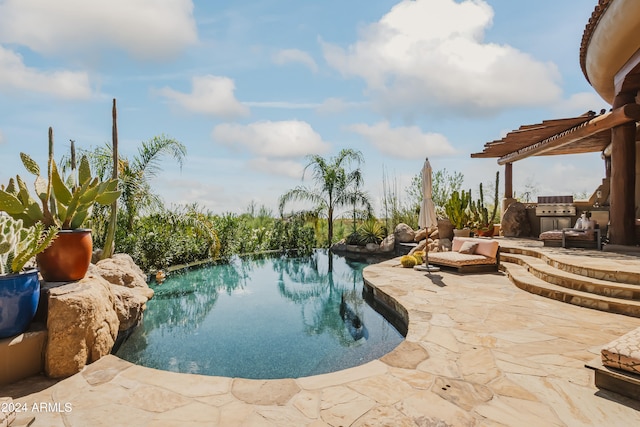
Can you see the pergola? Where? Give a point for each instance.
(586, 133)
(610, 61)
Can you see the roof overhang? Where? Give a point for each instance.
(609, 42)
(587, 133)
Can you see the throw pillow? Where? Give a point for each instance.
(468, 248)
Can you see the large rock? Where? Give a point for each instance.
(388, 244)
(404, 233)
(121, 270)
(82, 325)
(129, 304)
(515, 222)
(420, 235)
(445, 229)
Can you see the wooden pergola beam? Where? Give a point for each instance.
(619, 116)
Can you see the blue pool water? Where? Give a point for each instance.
(262, 318)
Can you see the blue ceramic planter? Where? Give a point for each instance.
(19, 296)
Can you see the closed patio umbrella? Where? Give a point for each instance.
(427, 218)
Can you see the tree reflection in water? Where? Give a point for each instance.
(265, 307)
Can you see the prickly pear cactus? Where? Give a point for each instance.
(18, 244)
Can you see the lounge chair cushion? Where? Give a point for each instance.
(623, 353)
(468, 247)
(486, 247)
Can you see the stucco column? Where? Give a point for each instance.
(623, 180)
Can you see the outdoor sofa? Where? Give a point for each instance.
(469, 254)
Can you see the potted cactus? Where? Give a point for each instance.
(457, 210)
(62, 203)
(19, 288)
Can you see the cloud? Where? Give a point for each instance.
(288, 56)
(424, 56)
(146, 29)
(213, 95)
(404, 142)
(16, 76)
(2, 138)
(337, 105)
(288, 168)
(283, 139)
(285, 105)
(579, 103)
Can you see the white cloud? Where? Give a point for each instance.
(212, 95)
(404, 142)
(282, 139)
(288, 168)
(423, 56)
(146, 29)
(580, 103)
(288, 56)
(337, 105)
(2, 138)
(16, 76)
(285, 105)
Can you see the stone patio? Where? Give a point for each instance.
(479, 352)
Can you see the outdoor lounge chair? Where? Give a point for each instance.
(618, 367)
(571, 237)
(469, 255)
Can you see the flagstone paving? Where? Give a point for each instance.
(479, 352)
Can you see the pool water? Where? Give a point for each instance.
(263, 318)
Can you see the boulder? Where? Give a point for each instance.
(515, 222)
(404, 233)
(420, 235)
(434, 235)
(121, 270)
(129, 304)
(372, 247)
(445, 229)
(82, 325)
(420, 247)
(444, 245)
(340, 246)
(388, 244)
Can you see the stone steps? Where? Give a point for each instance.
(585, 265)
(524, 279)
(540, 269)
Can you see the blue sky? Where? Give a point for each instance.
(251, 88)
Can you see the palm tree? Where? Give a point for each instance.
(135, 174)
(334, 187)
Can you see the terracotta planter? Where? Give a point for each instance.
(465, 232)
(485, 233)
(19, 296)
(68, 257)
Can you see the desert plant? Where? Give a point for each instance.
(408, 261)
(480, 213)
(18, 244)
(457, 208)
(63, 205)
(371, 231)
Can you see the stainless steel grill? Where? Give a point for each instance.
(555, 209)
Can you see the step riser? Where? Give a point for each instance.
(578, 285)
(617, 276)
(593, 303)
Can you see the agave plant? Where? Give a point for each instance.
(18, 244)
(62, 203)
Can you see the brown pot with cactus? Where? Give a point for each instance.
(68, 257)
(62, 202)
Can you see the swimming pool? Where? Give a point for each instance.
(262, 318)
